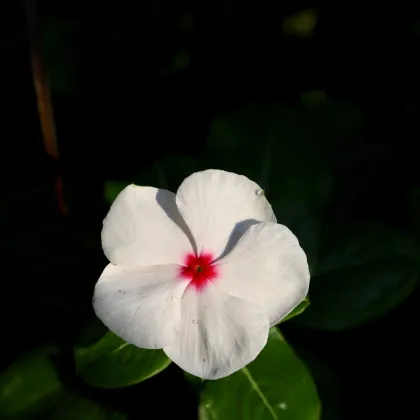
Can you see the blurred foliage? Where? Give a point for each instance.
(22, 393)
(301, 24)
(31, 388)
(362, 274)
(278, 147)
(61, 41)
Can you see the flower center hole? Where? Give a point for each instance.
(198, 268)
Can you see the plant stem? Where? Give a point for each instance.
(43, 98)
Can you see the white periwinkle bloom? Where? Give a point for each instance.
(202, 274)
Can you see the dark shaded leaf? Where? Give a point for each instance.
(362, 275)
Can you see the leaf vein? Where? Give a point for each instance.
(257, 389)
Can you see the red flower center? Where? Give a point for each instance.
(199, 270)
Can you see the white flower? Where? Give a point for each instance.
(202, 274)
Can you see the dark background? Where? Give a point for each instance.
(136, 82)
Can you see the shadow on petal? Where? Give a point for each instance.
(166, 201)
(236, 234)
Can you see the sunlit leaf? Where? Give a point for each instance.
(275, 386)
(110, 362)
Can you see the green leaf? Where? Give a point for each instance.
(274, 386)
(298, 310)
(110, 362)
(29, 386)
(362, 275)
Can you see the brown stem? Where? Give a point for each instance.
(43, 97)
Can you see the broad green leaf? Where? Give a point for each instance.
(298, 310)
(30, 385)
(110, 362)
(362, 275)
(274, 386)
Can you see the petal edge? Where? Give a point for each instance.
(144, 227)
(142, 306)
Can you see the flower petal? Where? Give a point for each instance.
(267, 267)
(219, 206)
(220, 334)
(144, 227)
(141, 305)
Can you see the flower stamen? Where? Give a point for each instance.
(198, 270)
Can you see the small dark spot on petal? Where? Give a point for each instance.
(214, 372)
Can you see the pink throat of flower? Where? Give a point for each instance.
(198, 270)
